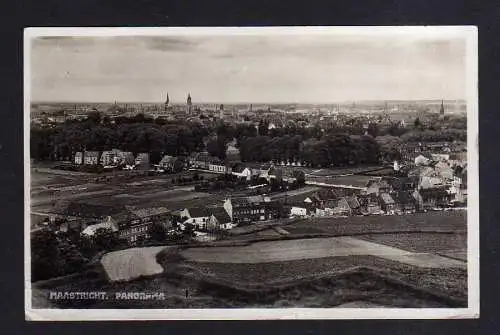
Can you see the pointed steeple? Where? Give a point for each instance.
(441, 111)
(167, 101)
(189, 104)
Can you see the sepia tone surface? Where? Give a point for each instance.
(251, 169)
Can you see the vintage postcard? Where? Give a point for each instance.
(251, 173)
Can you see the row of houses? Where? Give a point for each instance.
(112, 157)
(204, 161)
(129, 223)
(388, 195)
(233, 212)
(133, 224)
(372, 204)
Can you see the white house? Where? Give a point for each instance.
(198, 216)
(217, 165)
(91, 157)
(110, 157)
(219, 218)
(298, 211)
(441, 157)
(396, 166)
(108, 223)
(423, 159)
(79, 158)
(245, 173)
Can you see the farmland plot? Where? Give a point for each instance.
(451, 222)
(450, 282)
(421, 242)
(287, 250)
(131, 263)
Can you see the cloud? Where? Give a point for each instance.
(63, 41)
(169, 43)
(247, 68)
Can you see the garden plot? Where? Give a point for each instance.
(288, 250)
(353, 180)
(431, 222)
(421, 242)
(131, 263)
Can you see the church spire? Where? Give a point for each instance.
(441, 111)
(189, 104)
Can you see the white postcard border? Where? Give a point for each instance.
(470, 33)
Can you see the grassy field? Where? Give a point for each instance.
(297, 249)
(442, 221)
(354, 180)
(453, 280)
(131, 263)
(49, 188)
(421, 242)
(325, 282)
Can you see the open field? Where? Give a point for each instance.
(439, 221)
(421, 242)
(288, 250)
(354, 180)
(138, 191)
(260, 274)
(300, 193)
(339, 171)
(131, 263)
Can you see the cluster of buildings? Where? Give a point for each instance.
(133, 225)
(431, 181)
(111, 158)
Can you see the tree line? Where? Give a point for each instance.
(350, 143)
(63, 141)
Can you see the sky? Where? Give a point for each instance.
(306, 68)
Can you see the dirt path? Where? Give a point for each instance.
(131, 263)
(272, 251)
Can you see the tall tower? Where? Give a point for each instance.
(189, 104)
(221, 111)
(441, 110)
(166, 102)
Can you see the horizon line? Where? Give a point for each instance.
(246, 102)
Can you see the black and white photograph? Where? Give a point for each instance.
(251, 173)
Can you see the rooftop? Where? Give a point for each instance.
(220, 214)
(198, 212)
(147, 212)
(387, 199)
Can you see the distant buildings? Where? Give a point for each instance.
(171, 164)
(129, 224)
(91, 157)
(251, 209)
(142, 159)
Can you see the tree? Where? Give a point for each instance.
(94, 116)
(417, 124)
(217, 147)
(300, 176)
(157, 232)
(373, 129)
(263, 128)
(389, 147)
(189, 230)
(46, 258)
(105, 239)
